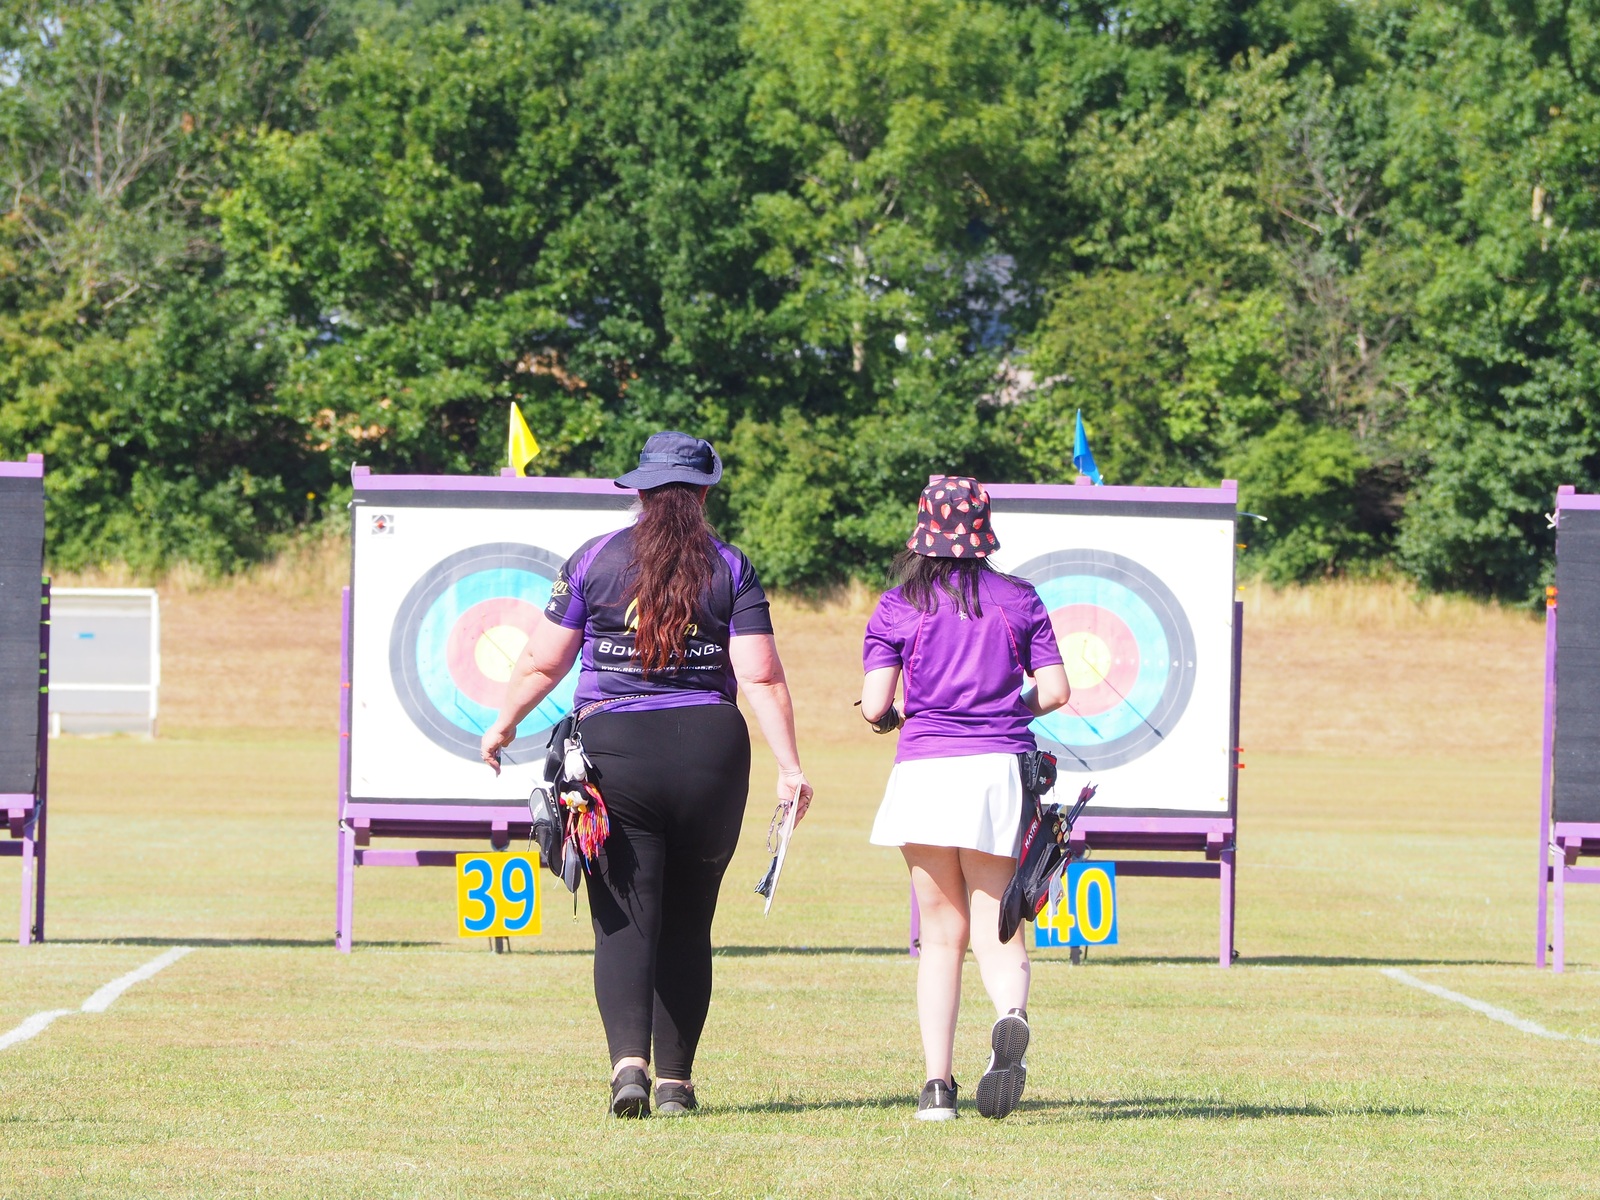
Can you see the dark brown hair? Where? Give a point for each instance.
(673, 556)
(922, 578)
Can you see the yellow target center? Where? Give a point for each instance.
(497, 651)
(1088, 659)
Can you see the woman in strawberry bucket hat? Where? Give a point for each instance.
(962, 639)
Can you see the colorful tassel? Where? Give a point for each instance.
(588, 824)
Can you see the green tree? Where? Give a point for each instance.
(1169, 335)
(905, 135)
(113, 123)
(905, 126)
(399, 239)
(1495, 199)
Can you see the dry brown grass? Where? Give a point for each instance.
(258, 651)
(1344, 668)
(821, 647)
(1368, 668)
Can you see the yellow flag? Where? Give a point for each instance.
(521, 447)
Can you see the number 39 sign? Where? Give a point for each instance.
(1082, 909)
(497, 895)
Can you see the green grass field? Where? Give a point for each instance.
(265, 1064)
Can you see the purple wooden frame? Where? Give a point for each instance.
(1215, 837)
(1566, 841)
(26, 812)
(361, 821)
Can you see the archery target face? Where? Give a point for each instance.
(1129, 653)
(1142, 609)
(456, 637)
(444, 601)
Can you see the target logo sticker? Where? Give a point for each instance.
(1129, 653)
(457, 635)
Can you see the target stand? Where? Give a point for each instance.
(1139, 583)
(449, 575)
(24, 683)
(1569, 796)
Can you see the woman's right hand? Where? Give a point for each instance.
(493, 742)
(788, 782)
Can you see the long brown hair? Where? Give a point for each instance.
(922, 579)
(674, 556)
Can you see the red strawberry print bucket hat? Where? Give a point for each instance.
(953, 520)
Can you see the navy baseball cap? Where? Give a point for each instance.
(673, 457)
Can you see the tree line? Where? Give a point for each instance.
(1347, 253)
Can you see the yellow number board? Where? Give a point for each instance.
(1082, 910)
(497, 895)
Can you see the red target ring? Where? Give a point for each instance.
(1101, 655)
(484, 644)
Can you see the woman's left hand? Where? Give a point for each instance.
(788, 782)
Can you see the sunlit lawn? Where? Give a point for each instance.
(266, 1064)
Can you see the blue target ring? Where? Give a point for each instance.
(456, 636)
(1130, 652)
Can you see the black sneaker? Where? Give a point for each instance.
(675, 1099)
(630, 1093)
(1001, 1086)
(938, 1101)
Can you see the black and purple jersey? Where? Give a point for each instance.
(594, 593)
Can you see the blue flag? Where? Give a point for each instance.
(1082, 456)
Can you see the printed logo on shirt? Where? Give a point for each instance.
(630, 620)
(616, 648)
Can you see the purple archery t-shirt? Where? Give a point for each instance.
(963, 676)
(595, 593)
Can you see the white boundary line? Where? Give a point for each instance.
(36, 1024)
(106, 996)
(1504, 1016)
(103, 998)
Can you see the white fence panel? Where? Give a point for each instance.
(105, 660)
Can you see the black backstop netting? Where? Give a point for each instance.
(21, 563)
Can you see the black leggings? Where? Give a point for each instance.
(675, 782)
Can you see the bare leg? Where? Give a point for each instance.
(942, 899)
(1003, 965)
(630, 1061)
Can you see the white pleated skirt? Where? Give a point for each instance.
(973, 802)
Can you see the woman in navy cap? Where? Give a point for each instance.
(671, 622)
(963, 639)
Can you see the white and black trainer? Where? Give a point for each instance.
(1003, 1080)
(938, 1101)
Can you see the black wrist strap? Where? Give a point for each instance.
(887, 723)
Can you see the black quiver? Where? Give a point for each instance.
(1045, 832)
(549, 815)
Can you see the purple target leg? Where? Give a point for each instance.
(31, 923)
(1558, 919)
(1225, 874)
(344, 901)
(1542, 932)
(345, 896)
(42, 861)
(25, 924)
(1548, 756)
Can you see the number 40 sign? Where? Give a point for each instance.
(1082, 909)
(497, 895)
